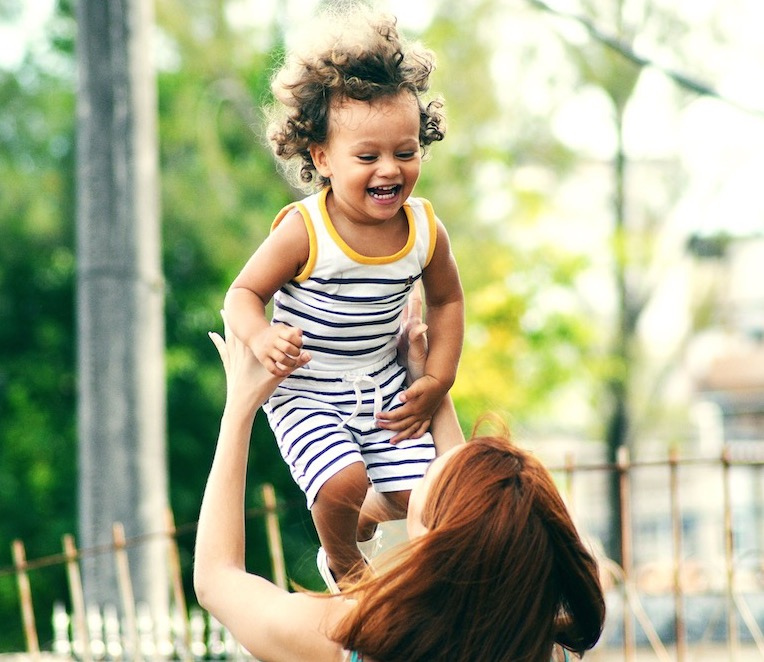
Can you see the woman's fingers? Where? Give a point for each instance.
(219, 344)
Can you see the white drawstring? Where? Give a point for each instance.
(356, 381)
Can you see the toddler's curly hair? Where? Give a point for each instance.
(355, 55)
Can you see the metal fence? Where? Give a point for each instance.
(690, 585)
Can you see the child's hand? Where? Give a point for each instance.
(412, 419)
(248, 383)
(279, 349)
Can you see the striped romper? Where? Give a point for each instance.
(348, 307)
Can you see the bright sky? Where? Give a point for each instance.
(30, 26)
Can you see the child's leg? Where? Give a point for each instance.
(381, 507)
(335, 514)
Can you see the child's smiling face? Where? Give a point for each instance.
(371, 156)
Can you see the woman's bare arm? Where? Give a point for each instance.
(270, 622)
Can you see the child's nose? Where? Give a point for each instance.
(388, 167)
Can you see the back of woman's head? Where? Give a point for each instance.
(500, 575)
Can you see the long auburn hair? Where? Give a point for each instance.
(501, 574)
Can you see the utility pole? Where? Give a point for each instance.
(120, 300)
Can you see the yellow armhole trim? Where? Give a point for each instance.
(433, 227)
(312, 243)
(354, 255)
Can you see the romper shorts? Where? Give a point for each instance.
(324, 421)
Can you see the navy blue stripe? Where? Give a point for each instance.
(323, 453)
(290, 401)
(336, 325)
(335, 338)
(391, 448)
(387, 300)
(332, 429)
(385, 367)
(393, 296)
(374, 465)
(324, 468)
(334, 380)
(397, 478)
(350, 401)
(343, 352)
(321, 310)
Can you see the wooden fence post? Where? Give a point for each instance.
(623, 467)
(274, 537)
(80, 629)
(729, 556)
(25, 597)
(179, 597)
(126, 591)
(680, 631)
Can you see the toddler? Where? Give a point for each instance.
(339, 266)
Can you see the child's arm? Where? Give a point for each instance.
(278, 259)
(445, 323)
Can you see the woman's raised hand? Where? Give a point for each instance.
(412, 341)
(248, 382)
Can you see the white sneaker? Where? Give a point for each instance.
(371, 547)
(322, 562)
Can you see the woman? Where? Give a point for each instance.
(494, 571)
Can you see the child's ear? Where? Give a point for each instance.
(318, 154)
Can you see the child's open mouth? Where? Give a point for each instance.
(383, 193)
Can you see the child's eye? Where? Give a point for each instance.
(367, 158)
(406, 155)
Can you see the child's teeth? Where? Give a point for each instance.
(383, 191)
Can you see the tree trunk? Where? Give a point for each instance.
(617, 427)
(122, 399)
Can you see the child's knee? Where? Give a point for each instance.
(398, 499)
(347, 487)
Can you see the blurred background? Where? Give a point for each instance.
(601, 184)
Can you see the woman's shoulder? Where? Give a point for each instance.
(286, 625)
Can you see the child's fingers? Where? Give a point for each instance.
(412, 431)
(291, 334)
(282, 369)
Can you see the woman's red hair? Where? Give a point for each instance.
(501, 574)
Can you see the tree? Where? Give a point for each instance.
(120, 331)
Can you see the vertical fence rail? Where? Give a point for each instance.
(623, 466)
(126, 592)
(729, 556)
(25, 593)
(180, 609)
(80, 634)
(274, 537)
(676, 536)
